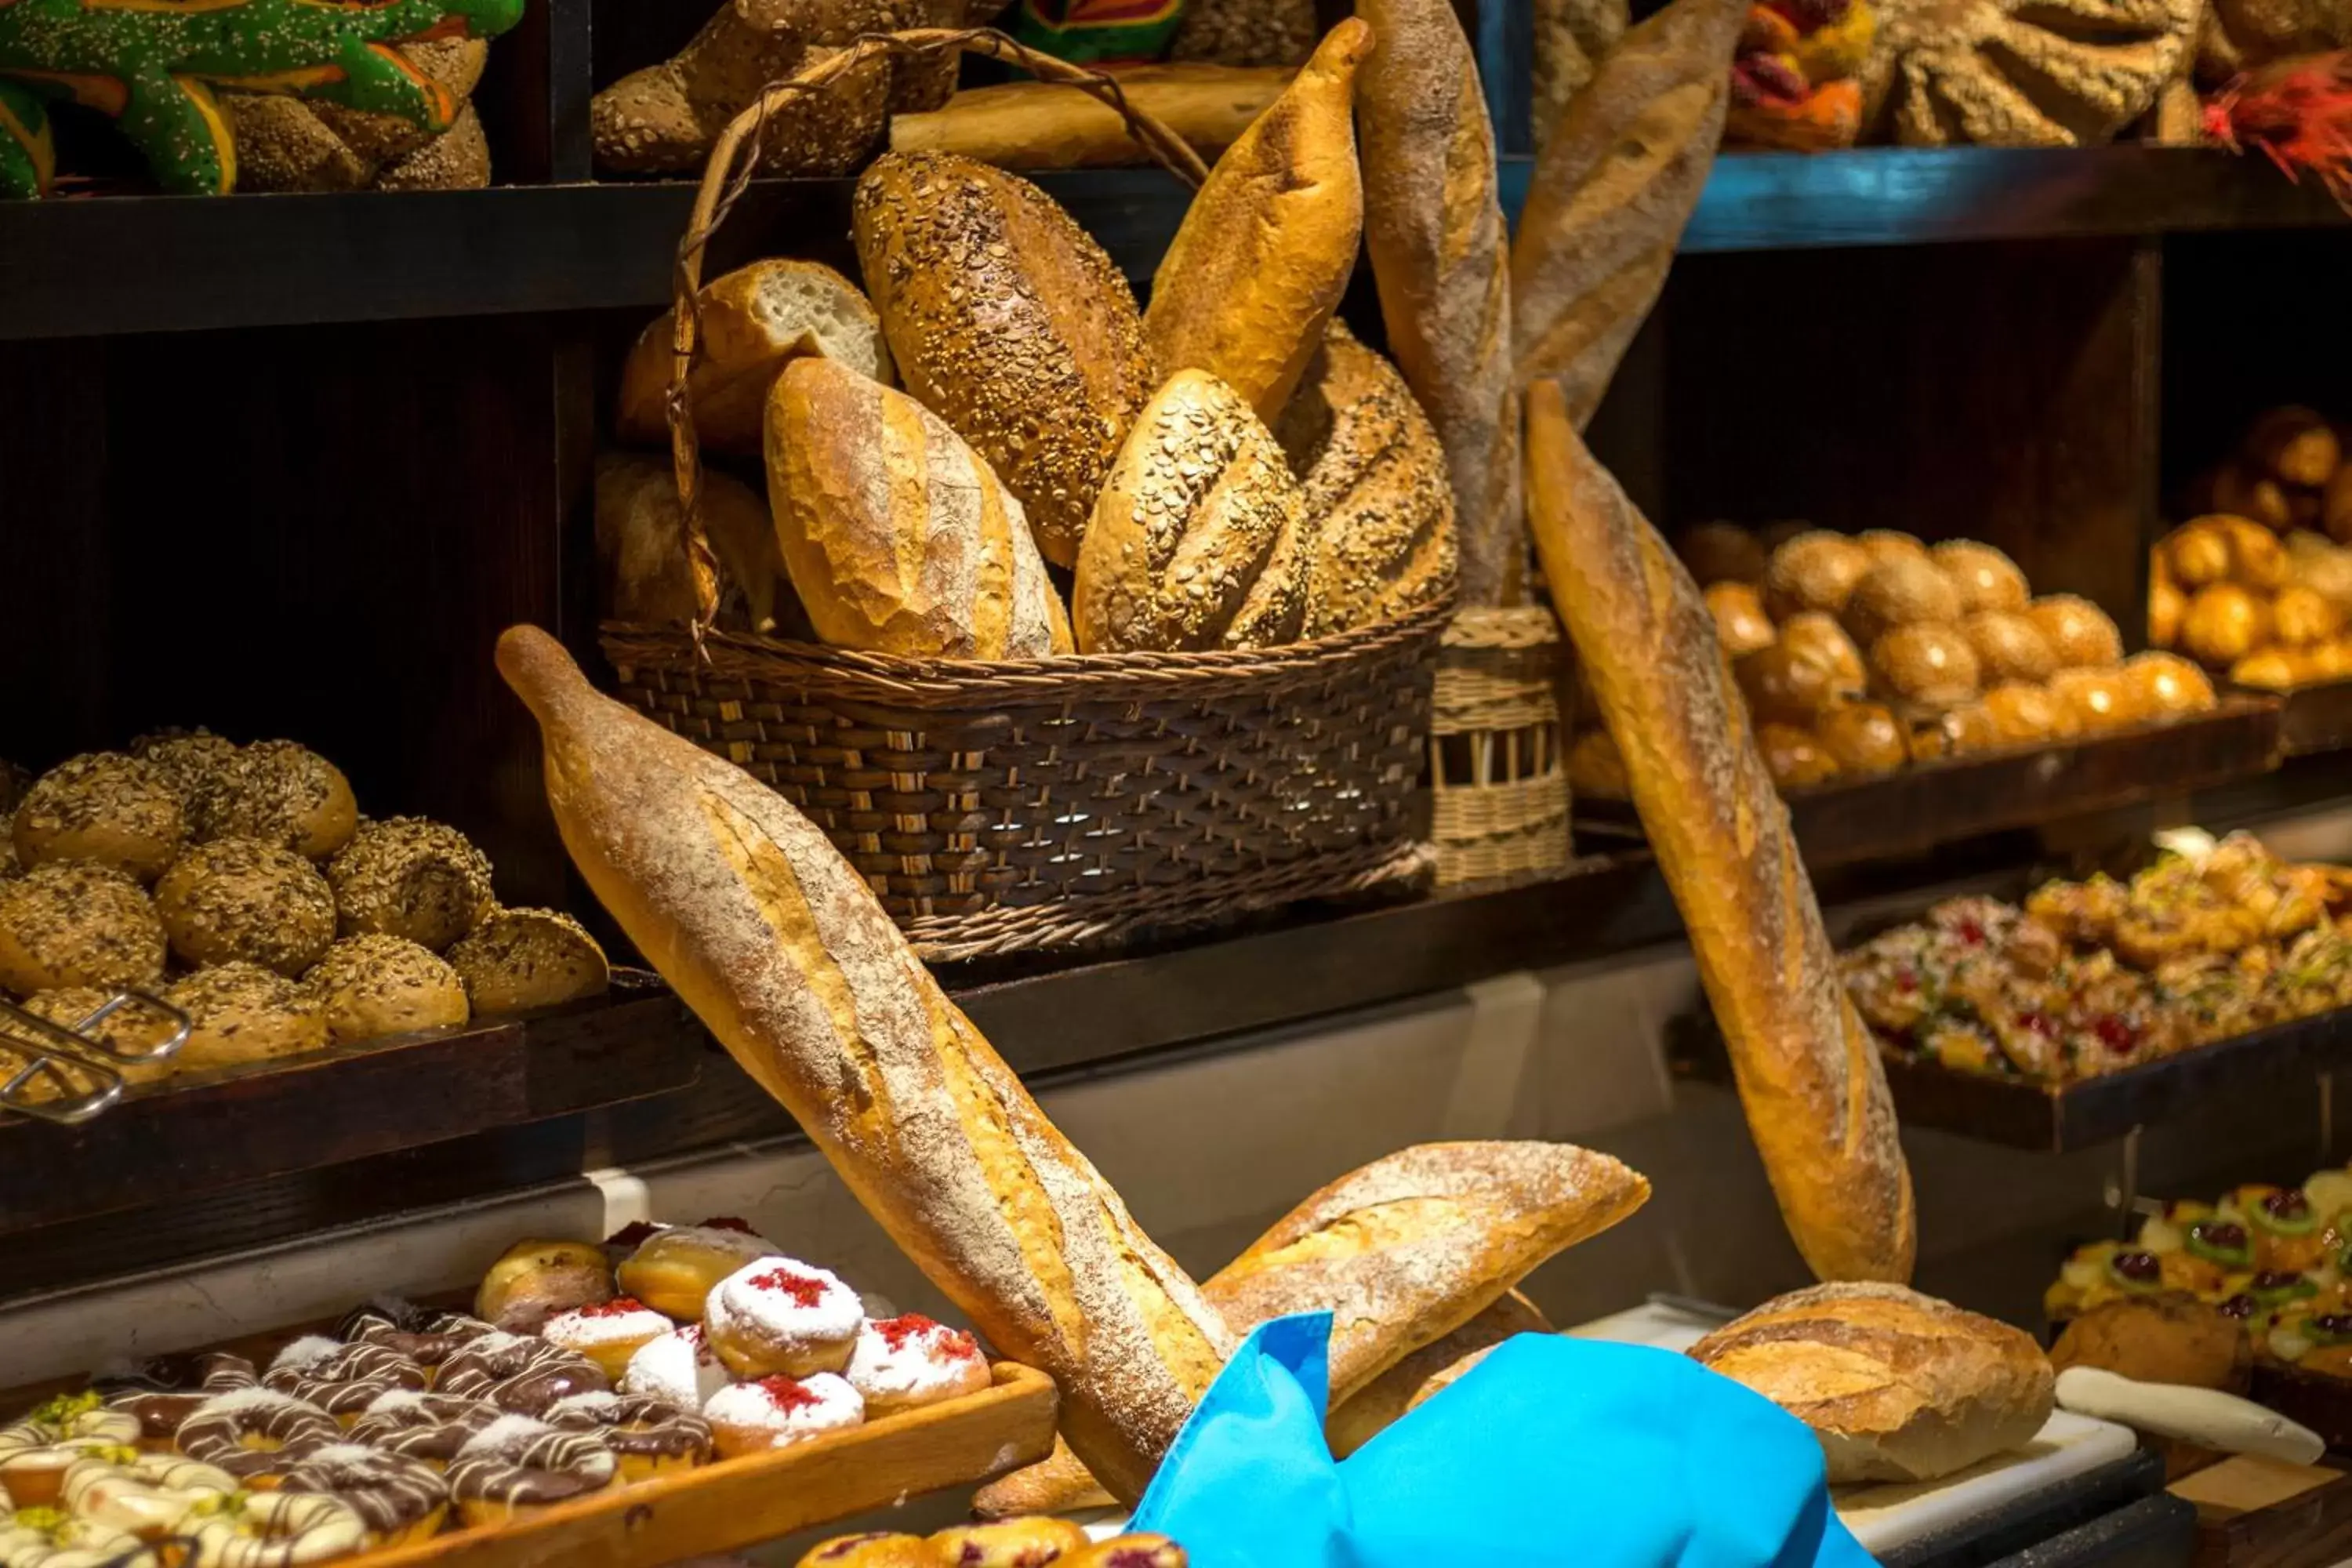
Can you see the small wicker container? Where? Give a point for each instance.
(1498, 761)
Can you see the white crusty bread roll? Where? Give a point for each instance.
(753, 321)
(779, 947)
(1050, 125)
(1808, 1075)
(1201, 538)
(649, 575)
(1441, 256)
(897, 534)
(1265, 251)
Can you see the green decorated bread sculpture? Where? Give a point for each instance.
(152, 64)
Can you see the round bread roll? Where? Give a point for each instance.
(2102, 698)
(1795, 757)
(519, 959)
(2170, 1338)
(1985, 578)
(2302, 617)
(2168, 606)
(1721, 552)
(410, 878)
(2165, 685)
(2257, 559)
(1956, 732)
(1862, 737)
(2274, 669)
(2196, 553)
(2023, 715)
(1792, 683)
(1899, 590)
(1929, 666)
(103, 806)
(1817, 636)
(1885, 544)
(133, 1027)
(286, 794)
(1596, 768)
(202, 769)
(241, 900)
(240, 1012)
(2079, 631)
(1814, 570)
(78, 922)
(1740, 622)
(2009, 647)
(2224, 624)
(2332, 659)
(373, 986)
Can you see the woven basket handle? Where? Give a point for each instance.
(735, 160)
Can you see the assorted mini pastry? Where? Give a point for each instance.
(2091, 977)
(1040, 1543)
(240, 885)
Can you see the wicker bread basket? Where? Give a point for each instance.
(1052, 804)
(1497, 758)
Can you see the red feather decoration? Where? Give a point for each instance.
(2298, 113)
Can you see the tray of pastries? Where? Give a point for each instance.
(675, 1391)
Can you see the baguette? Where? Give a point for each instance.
(1046, 125)
(1610, 192)
(898, 538)
(1808, 1076)
(641, 551)
(1265, 251)
(1434, 224)
(781, 951)
(1382, 1402)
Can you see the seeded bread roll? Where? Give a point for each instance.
(1046, 125)
(1201, 538)
(664, 118)
(2009, 647)
(1265, 251)
(1817, 570)
(134, 1028)
(373, 985)
(1376, 485)
(519, 959)
(239, 898)
(1245, 32)
(751, 323)
(103, 806)
(78, 922)
(641, 551)
(897, 534)
(285, 794)
(1008, 321)
(409, 878)
(201, 768)
(241, 1013)
(2080, 633)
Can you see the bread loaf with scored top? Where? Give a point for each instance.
(781, 951)
(1049, 125)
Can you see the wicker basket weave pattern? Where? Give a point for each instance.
(1495, 764)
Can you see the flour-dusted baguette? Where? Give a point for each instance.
(1386, 540)
(1610, 192)
(1433, 225)
(781, 951)
(1897, 1386)
(1265, 251)
(1201, 538)
(750, 322)
(641, 551)
(897, 535)
(1808, 1075)
(1010, 323)
(1049, 125)
(1381, 1402)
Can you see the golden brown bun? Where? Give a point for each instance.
(1985, 577)
(533, 1280)
(1959, 732)
(239, 898)
(1815, 635)
(2165, 685)
(2295, 446)
(2168, 606)
(1862, 737)
(2101, 698)
(1790, 683)
(897, 537)
(77, 922)
(1596, 768)
(1814, 570)
(1929, 666)
(2009, 647)
(242, 1013)
(2023, 715)
(1740, 622)
(1265, 251)
(1901, 589)
(375, 985)
(2257, 559)
(779, 946)
(2275, 668)
(407, 876)
(2170, 1338)
(519, 959)
(200, 767)
(2256, 496)
(1046, 125)
(1808, 1076)
(751, 323)
(1885, 544)
(2301, 617)
(2197, 552)
(648, 575)
(287, 795)
(1010, 322)
(1201, 538)
(1897, 1386)
(106, 806)
(1722, 552)
(2224, 624)
(1794, 757)
(2079, 631)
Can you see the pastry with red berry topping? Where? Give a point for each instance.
(900, 1364)
(777, 1411)
(609, 1333)
(775, 1316)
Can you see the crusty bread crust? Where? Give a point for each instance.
(1048, 125)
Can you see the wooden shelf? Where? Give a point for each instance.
(2314, 719)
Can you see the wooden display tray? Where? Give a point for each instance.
(2265, 1513)
(1916, 808)
(2316, 717)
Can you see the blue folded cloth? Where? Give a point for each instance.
(1550, 1451)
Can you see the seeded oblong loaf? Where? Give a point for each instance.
(1898, 1386)
(1265, 251)
(1201, 538)
(1808, 1075)
(1008, 321)
(781, 949)
(896, 533)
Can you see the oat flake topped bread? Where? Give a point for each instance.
(2021, 73)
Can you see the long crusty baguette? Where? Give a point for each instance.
(1610, 192)
(1808, 1073)
(1046, 125)
(1440, 253)
(768, 934)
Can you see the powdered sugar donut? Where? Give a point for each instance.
(679, 1366)
(609, 1332)
(777, 1411)
(676, 1268)
(900, 1362)
(777, 1317)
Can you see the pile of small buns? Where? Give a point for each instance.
(1857, 655)
(241, 885)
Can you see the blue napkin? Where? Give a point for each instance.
(1550, 1451)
